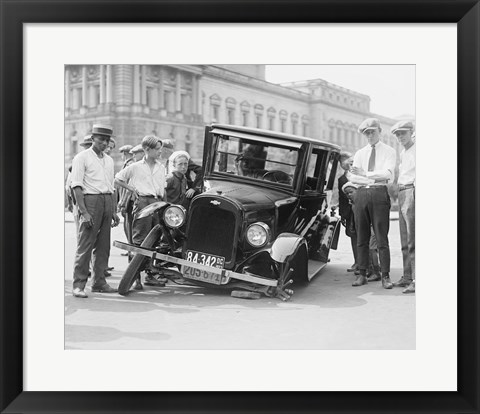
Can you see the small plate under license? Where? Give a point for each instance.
(206, 260)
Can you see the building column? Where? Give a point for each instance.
(143, 93)
(194, 95)
(102, 84)
(67, 89)
(109, 84)
(84, 86)
(136, 84)
(161, 90)
(178, 94)
(199, 97)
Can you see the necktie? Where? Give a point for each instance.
(371, 161)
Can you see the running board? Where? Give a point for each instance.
(314, 268)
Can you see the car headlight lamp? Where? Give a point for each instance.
(258, 234)
(174, 216)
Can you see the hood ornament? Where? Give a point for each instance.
(215, 202)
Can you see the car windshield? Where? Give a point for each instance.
(259, 160)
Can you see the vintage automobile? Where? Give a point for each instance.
(261, 225)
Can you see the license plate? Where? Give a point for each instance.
(206, 260)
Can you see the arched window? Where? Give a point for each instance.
(271, 114)
(215, 102)
(283, 115)
(245, 110)
(258, 109)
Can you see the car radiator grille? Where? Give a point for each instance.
(211, 230)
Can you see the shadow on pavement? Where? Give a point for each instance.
(80, 333)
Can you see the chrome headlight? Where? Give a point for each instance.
(174, 216)
(258, 234)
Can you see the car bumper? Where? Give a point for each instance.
(224, 273)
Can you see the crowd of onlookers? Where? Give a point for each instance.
(364, 204)
(152, 171)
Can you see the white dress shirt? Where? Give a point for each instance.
(93, 173)
(147, 181)
(385, 160)
(407, 166)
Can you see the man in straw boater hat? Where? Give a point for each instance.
(92, 182)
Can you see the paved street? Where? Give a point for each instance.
(327, 314)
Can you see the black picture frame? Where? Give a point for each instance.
(14, 13)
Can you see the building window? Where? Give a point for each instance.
(294, 120)
(271, 123)
(283, 120)
(231, 116)
(244, 118)
(258, 115)
(271, 113)
(215, 111)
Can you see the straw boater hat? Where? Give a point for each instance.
(104, 130)
(87, 140)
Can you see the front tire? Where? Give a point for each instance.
(136, 263)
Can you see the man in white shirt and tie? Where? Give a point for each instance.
(373, 167)
(403, 130)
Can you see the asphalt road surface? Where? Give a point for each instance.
(327, 314)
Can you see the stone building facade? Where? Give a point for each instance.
(177, 101)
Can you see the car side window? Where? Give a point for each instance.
(331, 171)
(315, 170)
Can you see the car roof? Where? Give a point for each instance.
(279, 135)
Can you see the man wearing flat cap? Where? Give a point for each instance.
(373, 167)
(92, 182)
(404, 131)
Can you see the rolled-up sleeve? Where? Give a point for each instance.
(78, 172)
(124, 175)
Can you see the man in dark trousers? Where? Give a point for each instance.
(92, 182)
(373, 167)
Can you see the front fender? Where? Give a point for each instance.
(152, 208)
(286, 245)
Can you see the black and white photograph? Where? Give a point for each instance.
(240, 207)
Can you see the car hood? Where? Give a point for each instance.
(248, 197)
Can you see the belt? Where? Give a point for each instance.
(373, 186)
(98, 194)
(150, 196)
(402, 187)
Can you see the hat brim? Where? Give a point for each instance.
(402, 129)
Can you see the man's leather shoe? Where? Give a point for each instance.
(151, 281)
(79, 293)
(353, 268)
(374, 277)
(386, 282)
(360, 280)
(410, 288)
(402, 282)
(106, 288)
(137, 285)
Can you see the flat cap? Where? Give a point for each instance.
(105, 130)
(87, 140)
(369, 123)
(136, 148)
(167, 143)
(402, 126)
(125, 148)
